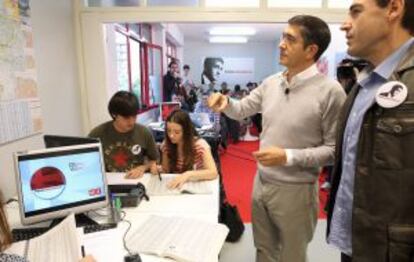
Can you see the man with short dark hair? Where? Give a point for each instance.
(299, 109)
(127, 146)
(371, 205)
(170, 81)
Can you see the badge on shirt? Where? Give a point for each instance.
(136, 149)
(391, 94)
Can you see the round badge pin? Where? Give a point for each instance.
(136, 149)
(391, 94)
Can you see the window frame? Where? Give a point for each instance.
(145, 71)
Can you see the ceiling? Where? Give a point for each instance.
(199, 31)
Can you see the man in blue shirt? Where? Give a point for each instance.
(371, 206)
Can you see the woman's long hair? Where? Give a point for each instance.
(5, 235)
(181, 118)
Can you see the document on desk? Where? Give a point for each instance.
(119, 179)
(17, 248)
(182, 239)
(155, 187)
(105, 245)
(61, 243)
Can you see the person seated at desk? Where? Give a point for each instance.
(184, 152)
(6, 240)
(127, 146)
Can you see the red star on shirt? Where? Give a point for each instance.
(120, 158)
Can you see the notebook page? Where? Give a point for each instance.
(196, 241)
(197, 187)
(152, 236)
(155, 187)
(114, 178)
(182, 239)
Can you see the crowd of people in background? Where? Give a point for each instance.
(179, 86)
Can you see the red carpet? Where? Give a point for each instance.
(239, 168)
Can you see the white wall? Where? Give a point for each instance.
(54, 51)
(265, 54)
(337, 48)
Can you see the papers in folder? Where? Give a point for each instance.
(61, 243)
(181, 239)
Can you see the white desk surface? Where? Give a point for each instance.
(198, 206)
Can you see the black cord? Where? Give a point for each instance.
(122, 219)
(126, 231)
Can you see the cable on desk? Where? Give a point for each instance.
(123, 214)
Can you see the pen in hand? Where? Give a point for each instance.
(159, 176)
(83, 250)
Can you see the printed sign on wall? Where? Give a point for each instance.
(233, 70)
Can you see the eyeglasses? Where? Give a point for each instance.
(287, 38)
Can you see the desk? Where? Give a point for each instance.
(203, 207)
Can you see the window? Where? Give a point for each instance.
(135, 59)
(339, 3)
(122, 67)
(232, 3)
(171, 52)
(172, 3)
(296, 3)
(110, 3)
(138, 63)
(155, 74)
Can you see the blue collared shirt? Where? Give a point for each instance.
(340, 234)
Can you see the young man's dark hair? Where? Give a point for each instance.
(407, 19)
(173, 62)
(186, 67)
(123, 103)
(313, 31)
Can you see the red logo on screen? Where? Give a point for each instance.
(48, 182)
(46, 178)
(94, 191)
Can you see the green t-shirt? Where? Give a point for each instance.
(124, 151)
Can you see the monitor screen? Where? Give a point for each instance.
(167, 107)
(57, 141)
(54, 182)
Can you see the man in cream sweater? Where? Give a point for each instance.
(299, 108)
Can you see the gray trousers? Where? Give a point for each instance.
(284, 218)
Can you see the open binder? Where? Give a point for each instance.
(182, 239)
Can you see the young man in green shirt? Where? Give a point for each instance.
(127, 146)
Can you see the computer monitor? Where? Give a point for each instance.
(55, 182)
(167, 107)
(57, 141)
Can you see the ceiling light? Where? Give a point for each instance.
(232, 31)
(228, 39)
